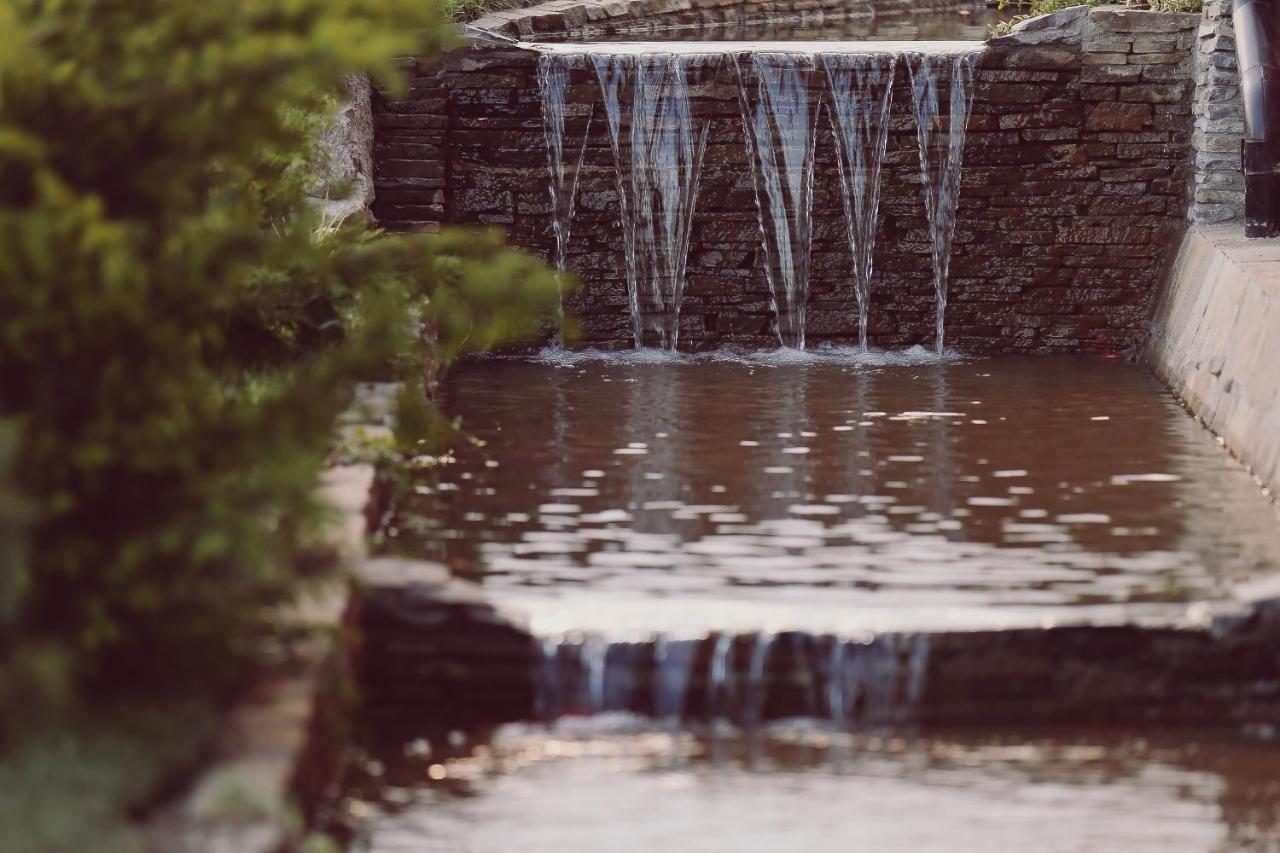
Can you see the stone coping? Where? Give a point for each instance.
(282, 745)
(559, 18)
(718, 48)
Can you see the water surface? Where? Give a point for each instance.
(615, 785)
(972, 23)
(833, 492)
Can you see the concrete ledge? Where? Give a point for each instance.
(437, 654)
(283, 745)
(1216, 341)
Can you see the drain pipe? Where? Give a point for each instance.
(1257, 33)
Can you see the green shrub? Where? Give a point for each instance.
(177, 332)
(1036, 8)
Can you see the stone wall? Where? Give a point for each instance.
(1218, 192)
(1216, 341)
(1077, 164)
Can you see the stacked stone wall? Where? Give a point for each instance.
(1218, 192)
(1076, 169)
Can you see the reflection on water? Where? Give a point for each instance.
(833, 491)
(860, 24)
(614, 784)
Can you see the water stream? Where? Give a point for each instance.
(780, 106)
(658, 156)
(941, 95)
(659, 147)
(860, 88)
(553, 80)
(745, 679)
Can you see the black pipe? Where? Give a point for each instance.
(1257, 32)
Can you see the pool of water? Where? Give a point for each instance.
(616, 784)
(831, 491)
(966, 24)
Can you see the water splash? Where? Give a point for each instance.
(941, 142)
(860, 89)
(780, 117)
(658, 158)
(553, 84)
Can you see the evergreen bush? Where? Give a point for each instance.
(177, 330)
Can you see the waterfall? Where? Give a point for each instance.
(553, 83)
(860, 88)
(877, 680)
(757, 692)
(834, 677)
(780, 119)
(672, 669)
(658, 153)
(941, 142)
(720, 677)
(547, 679)
(658, 158)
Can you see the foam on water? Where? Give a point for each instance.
(824, 354)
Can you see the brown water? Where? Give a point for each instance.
(611, 784)
(832, 492)
(970, 24)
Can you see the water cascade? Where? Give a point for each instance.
(780, 116)
(658, 156)
(553, 83)
(658, 152)
(941, 141)
(745, 679)
(672, 668)
(860, 88)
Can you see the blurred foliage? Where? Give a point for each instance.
(178, 329)
(1036, 8)
(69, 789)
(469, 10)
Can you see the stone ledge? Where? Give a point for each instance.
(1216, 341)
(429, 664)
(562, 19)
(282, 745)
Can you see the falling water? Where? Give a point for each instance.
(941, 143)
(548, 679)
(757, 692)
(594, 654)
(876, 680)
(781, 119)
(553, 83)
(672, 669)
(833, 677)
(720, 676)
(860, 88)
(658, 157)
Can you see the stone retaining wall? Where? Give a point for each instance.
(1216, 341)
(1218, 192)
(1075, 184)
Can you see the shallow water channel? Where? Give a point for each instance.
(640, 498)
(616, 784)
(833, 491)
(932, 25)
